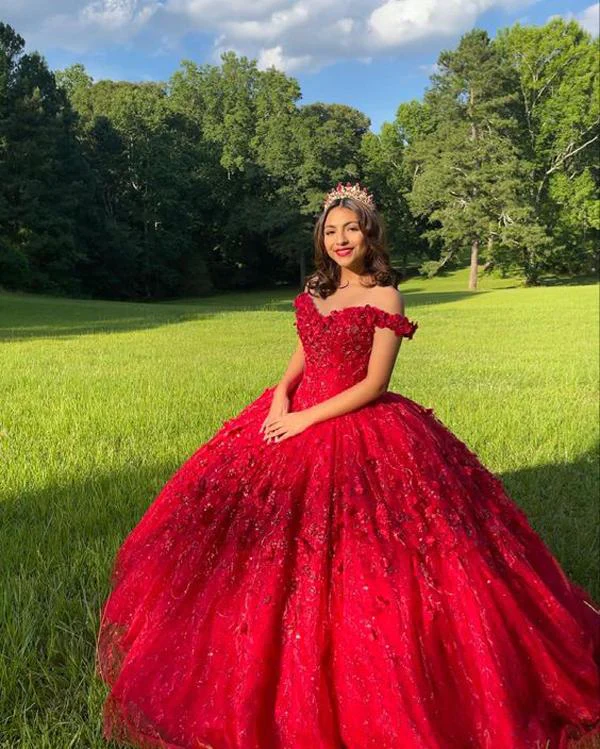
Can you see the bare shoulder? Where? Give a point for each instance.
(388, 299)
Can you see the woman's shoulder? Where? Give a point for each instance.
(388, 299)
(388, 312)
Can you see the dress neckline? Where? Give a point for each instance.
(334, 312)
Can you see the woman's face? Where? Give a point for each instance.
(344, 241)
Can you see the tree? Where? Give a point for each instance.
(42, 174)
(383, 170)
(559, 113)
(246, 197)
(464, 159)
(145, 165)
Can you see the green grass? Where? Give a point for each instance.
(102, 401)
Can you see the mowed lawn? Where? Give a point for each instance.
(102, 401)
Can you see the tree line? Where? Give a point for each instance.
(212, 180)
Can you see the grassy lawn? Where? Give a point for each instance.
(102, 401)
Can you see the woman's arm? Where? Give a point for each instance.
(386, 346)
(381, 364)
(293, 372)
(294, 369)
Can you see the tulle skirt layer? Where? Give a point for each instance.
(366, 583)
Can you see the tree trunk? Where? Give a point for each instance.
(532, 271)
(474, 260)
(489, 263)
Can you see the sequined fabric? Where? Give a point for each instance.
(366, 583)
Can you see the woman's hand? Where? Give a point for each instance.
(280, 404)
(287, 425)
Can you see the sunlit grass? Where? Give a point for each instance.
(102, 401)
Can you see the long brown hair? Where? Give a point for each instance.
(326, 277)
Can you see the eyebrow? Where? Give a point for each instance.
(332, 226)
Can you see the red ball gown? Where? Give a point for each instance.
(365, 583)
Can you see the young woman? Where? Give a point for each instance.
(334, 568)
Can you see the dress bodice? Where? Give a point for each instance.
(337, 345)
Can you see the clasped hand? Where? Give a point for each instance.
(279, 428)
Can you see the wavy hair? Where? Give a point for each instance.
(325, 279)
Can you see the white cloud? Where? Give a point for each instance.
(69, 26)
(278, 25)
(290, 34)
(115, 14)
(203, 12)
(429, 68)
(345, 25)
(274, 57)
(310, 34)
(399, 22)
(590, 18)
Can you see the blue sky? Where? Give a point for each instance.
(370, 54)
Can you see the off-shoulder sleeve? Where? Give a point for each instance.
(400, 324)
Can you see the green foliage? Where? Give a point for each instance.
(383, 171)
(558, 112)
(212, 179)
(41, 174)
(501, 153)
(463, 161)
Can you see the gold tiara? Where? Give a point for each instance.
(348, 190)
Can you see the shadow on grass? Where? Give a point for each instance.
(31, 317)
(43, 526)
(561, 502)
(46, 528)
(568, 281)
(60, 544)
